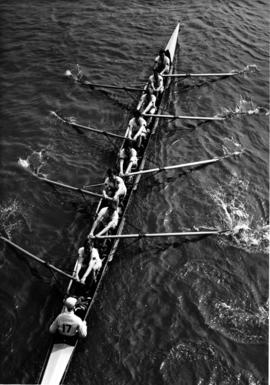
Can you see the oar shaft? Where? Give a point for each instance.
(186, 75)
(200, 162)
(72, 188)
(39, 260)
(96, 130)
(109, 86)
(155, 235)
(184, 165)
(184, 117)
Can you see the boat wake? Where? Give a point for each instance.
(244, 107)
(228, 302)
(200, 363)
(34, 162)
(231, 145)
(248, 233)
(12, 217)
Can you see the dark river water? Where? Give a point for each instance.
(170, 311)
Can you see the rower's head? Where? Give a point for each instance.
(68, 74)
(161, 52)
(70, 303)
(88, 244)
(156, 73)
(137, 114)
(128, 144)
(111, 173)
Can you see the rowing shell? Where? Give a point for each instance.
(61, 351)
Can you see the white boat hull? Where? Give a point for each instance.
(58, 363)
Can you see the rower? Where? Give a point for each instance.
(130, 154)
(108, 216)
(162, 63)
(114, 186)
(148, 102)
(155, 83)
(67, 323)
(88, 256)
(137, 126)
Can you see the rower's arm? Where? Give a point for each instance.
(95, 224)
(54, 326)
(78, 268)
(117, 192)
(152, 85)
(106, 228)
(165, 69)
(83, 329)
(121, 166)
(88, 271)
(160, 85)
(156, 63)
(79, 263)
(129, 132)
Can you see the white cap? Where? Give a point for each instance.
(70, 302)
(68, 73)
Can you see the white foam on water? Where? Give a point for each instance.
(231, 145)
(34, 162)
(246, 232)
(200, 363)
(11, 213)
(243, 107)
(23, 163)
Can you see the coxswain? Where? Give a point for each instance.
(129, 154)
(67, 323)
(155, 83)
(162, 63)
(147, 102)
(109, 217)
(114, 186)
(89, 258)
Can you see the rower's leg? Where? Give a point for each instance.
(139, 141)
(121, 166)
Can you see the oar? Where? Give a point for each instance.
(184, 117)
(76, 125)
(250, 67)
(81, 78)
(155, 235)
(183, 165)
(93, 185)
(39, 260)
(188, 75)
(109, 86)
(72, 188)
(222, 116)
